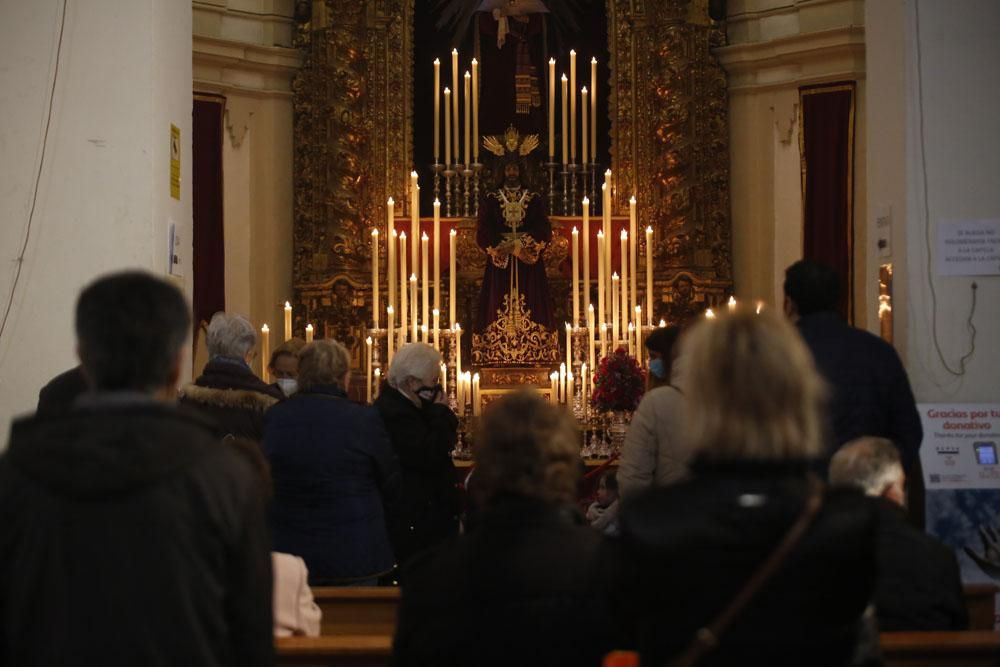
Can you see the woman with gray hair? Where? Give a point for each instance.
(227, 391)
(749, 561)
(423, 431)
(521, 586)
(335, 476)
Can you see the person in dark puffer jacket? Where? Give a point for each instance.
(227, 391)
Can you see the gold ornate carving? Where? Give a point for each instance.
(514, 377)
(352, 106)
(514, 339)
(670, 134)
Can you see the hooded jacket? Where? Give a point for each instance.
(129, 536)
(229, 394)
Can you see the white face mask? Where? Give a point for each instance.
(288, 385)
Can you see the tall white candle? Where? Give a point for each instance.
(375, 285)
(468, 114)
(604, 340)
(454, 97)
(593, 110)
(425, 310)
(265, 353)
(638, 334)
(614, 311)
(404, 291)
(452, 273)
(572, 105)
(569, 345)
(565, 122)
(649, 274)
(414, 315)
(447, 126)
(437, 110)
(630, 334)
(586, 252)
(288, 321)
(390, 334)
(575, 241)
(591, 334)
(584, 135)
(378, 381)
(391, 238)
(368, 368)
(633, 253)
(414, 221)
(601, 310)
(309, 333)
(437, 254)
(624, 304)
(570, 388)
(562, 383)
(554, 387)
(475, 110)
(552, 109)
(436, 314)
(477, 396)
(458, 347)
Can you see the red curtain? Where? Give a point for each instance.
(209, 250)
(827, 181)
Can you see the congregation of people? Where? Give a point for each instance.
(758, 513)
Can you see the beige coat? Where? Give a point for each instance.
(295, 612)
(655, 452)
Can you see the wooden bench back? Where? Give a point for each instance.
(358, 611)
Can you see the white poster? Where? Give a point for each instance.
(961, 445)
(968, 248)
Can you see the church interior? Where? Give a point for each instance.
(527, 186)
(289, 125)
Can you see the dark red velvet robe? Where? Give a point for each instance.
(531, 279)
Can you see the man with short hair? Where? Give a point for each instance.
(919, 586)
(871, 393)
(227, 391)
(128, 535)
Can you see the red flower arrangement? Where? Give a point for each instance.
(618, 383)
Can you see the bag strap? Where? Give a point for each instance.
(707, 637)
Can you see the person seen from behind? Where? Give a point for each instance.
(128, 534)
(919, 585)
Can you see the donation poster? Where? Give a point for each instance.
(959, 456)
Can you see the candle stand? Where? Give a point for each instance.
(573, 200)
(449, 174)
(477, 169)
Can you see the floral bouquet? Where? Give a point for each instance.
(618, 383)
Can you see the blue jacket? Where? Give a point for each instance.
(335, 476)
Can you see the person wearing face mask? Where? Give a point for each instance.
(423, 431)
(655, 452)
(284, 365)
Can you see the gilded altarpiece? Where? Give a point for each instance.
(353, 128)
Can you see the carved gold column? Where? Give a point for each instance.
(670, 140)
(353, 117)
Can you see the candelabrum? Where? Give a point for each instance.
(466, 178)
(552, 166)
(451, 338)
(437, 168)
(565, 189)
(573, 199)
(593, 186)
(477, 169)
(449, 175)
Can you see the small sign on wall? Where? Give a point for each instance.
(175, 161)
(968, 248)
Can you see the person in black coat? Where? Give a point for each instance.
(334, 472)
(522, 586)
(227, 391)
(919, 585)
(128, 535)
(423, 431)
(871, 393)
(687, 550)
(57, 396)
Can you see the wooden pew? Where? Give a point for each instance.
(980, 605)
(900, 649)
(342, 651)
(358, 611)
(975, 648)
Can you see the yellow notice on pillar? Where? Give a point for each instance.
(175, 161)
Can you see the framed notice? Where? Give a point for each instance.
(969, 248)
